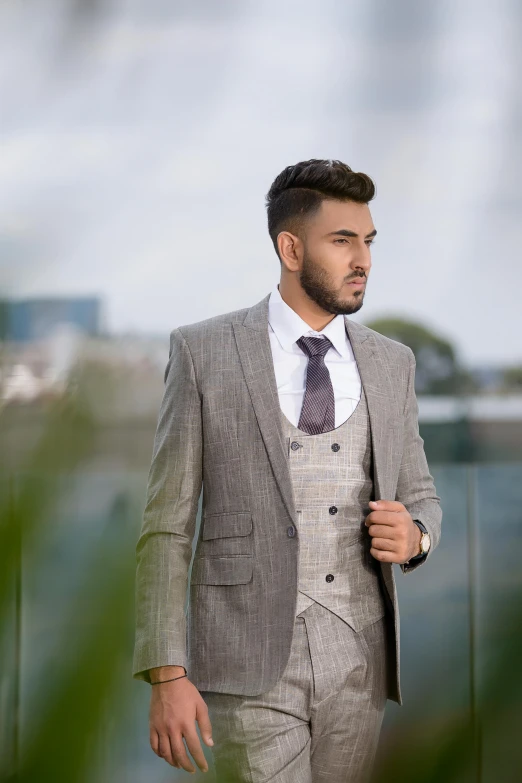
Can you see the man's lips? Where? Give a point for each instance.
(360, 282)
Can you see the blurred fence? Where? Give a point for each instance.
(72, 589)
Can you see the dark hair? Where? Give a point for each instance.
(300, 189)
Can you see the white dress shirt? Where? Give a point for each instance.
(285, 326)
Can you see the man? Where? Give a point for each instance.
(295, 419)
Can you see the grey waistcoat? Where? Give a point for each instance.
(332, 484)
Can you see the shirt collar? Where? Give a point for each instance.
(289, 326)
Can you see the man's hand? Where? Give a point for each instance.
(395, 536)
(174, 709)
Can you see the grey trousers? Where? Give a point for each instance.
(321, 721)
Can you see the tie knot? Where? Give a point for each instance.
(314, 346)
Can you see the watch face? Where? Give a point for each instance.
(425, 542)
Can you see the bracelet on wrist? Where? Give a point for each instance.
(160, 682)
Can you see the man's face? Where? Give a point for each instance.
(333, 256)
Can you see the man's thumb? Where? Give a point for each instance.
(205, 727)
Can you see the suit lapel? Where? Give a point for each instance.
(253, 343)
(376, 383)
(255, 353)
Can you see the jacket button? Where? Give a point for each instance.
(333, 509)
(335, 447)
(294, 445)
(329, 577)
(290, 531)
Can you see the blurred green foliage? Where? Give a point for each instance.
(451, 751)
(512, 379)
(63, 734)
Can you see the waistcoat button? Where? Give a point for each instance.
(329, 577)
(333, 509)
(335, 447)
(290, 531)
(294, 446)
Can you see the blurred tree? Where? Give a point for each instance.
(438, 370)
(512, 379)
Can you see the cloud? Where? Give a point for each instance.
(140, 169)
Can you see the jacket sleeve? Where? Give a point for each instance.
(164, 548)
(415, 485)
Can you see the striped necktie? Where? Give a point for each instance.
(318, 411)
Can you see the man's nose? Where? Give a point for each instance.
(361, 263)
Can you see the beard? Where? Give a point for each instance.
(318, 285)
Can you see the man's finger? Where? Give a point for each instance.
(386, 505)
(179, 753)
(194, 745)
(154, 741)
(383, 556)
(164, 748)
(205, 727)
(383, 544)
(381, 531)
(382, 518)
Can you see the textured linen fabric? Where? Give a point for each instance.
(332, 486)
(321, 721)
(219, 429)
(335, 681)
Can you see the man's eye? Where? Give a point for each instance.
(368, 241)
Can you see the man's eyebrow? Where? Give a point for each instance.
(345, 232)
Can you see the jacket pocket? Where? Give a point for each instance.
(226, 534)
(230, 523)
(222, 570)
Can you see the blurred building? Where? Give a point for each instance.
(34, 319)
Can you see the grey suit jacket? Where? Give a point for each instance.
(219, 428)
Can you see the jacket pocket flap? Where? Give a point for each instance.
(222, 570)
(237, 523)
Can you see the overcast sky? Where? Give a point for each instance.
(137, 146)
